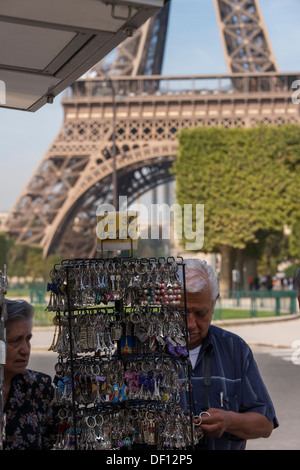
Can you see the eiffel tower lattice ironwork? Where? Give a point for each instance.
(125, 106)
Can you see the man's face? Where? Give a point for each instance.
(200, 309)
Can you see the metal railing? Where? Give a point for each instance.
(202, 85)
(230, 305)
(254, 303)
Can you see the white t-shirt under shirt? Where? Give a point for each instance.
(193, 355)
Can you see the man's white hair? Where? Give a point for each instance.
(199, 276)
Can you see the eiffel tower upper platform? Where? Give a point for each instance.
(128, 110)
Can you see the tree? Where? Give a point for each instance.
(26, 260)
(246, 180)
(5, 245)
(294, 239)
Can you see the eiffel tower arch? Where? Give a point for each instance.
(124, 113)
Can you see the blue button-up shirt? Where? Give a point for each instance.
(236, 384)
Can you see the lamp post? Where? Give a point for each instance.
(114, 148)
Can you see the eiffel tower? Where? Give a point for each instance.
(124, 113)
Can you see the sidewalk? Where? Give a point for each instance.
(278, 332)
(42, 337)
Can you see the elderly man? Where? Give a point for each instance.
(226, 383)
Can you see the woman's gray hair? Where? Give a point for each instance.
(200, 276)
(17, 309)
(297, 280)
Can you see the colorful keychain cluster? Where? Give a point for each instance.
(121, 339)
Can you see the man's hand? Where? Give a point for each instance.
(213, 423)
(216, 421)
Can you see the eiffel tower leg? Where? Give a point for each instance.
(244, 36)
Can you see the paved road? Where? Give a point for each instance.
(280, 369)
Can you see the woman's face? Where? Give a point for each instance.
(18, 336)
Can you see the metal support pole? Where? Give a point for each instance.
(71, 360)
(3, 318)
(114, 148)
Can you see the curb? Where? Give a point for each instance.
(255, 321)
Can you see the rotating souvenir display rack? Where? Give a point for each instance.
(3, 316)
(121, 338)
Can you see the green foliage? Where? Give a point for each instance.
(294, 239)
(246, 178)
(291, 271)
(25, 260)
(5, 245)
(273, 249)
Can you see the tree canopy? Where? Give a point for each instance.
(246, 178)
(25, 261)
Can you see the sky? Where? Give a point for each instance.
(193, 47)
